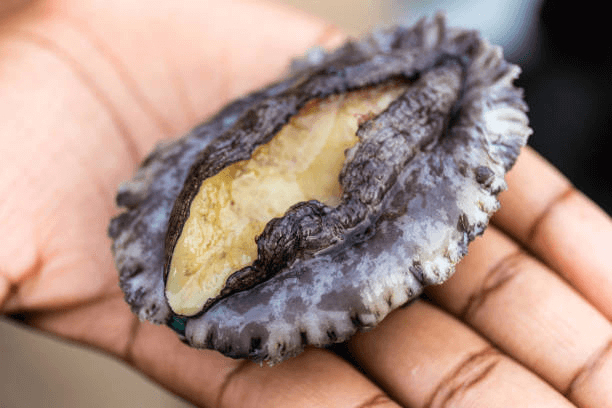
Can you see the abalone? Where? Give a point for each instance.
(310, 209)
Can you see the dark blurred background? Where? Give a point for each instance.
(569, 91)
(565, 53)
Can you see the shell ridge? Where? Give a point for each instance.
(439, 199)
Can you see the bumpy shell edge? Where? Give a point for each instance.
(447, 198)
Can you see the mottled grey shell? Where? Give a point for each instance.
(438, 197)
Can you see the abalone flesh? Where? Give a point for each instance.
(310, 209)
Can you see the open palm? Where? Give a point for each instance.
(86, 90)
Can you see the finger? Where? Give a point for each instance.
(106, 324)
(560, 225)
(109, 325)
(532, 315)
(422, 357)
(316, 378)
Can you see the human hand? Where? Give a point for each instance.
(89, 87)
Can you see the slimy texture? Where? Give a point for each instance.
(301, 163)
(256, 241)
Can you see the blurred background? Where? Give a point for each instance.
(566, 63)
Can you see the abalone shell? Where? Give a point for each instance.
(418, 185)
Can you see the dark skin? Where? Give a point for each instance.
(89, 87)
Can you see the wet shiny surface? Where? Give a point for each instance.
(232, 208)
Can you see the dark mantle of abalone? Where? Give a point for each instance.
(439, 201)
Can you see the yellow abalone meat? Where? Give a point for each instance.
(302, 162)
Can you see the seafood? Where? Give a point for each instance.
(310, 209)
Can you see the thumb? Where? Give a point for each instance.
(88, 88)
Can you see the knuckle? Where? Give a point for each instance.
(470, 372)
(495, 279)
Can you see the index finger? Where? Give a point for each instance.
(557, 223)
